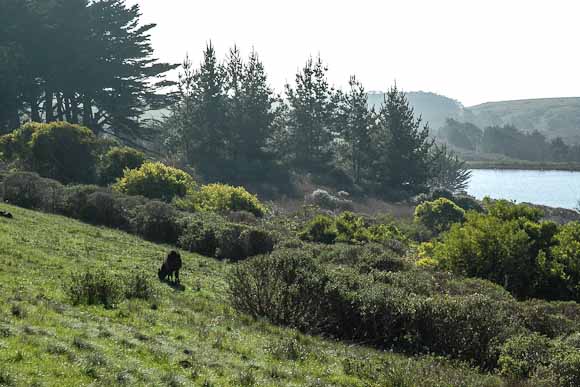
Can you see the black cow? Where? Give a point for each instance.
(5, 214)
(170, 269)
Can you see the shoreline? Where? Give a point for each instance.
(523, 165)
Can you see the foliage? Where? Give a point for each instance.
(491, 248)
(116, 161)
(155, 181)
(57, 150)
(310, 117)
(439, 215)
(157, 221)
(101, 73)
(447, 170)
(521, 355)
(506, 210)
(224, 198)
(402, 147)
(213, 236)
(282, 287)
(566, 257)
(95, 288)
(321, 229)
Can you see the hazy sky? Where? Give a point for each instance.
(471, 50)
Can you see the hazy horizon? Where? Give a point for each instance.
(475, 53)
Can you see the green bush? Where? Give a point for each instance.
(95, 288)
(490, 248)
(521, 355)
(565, 263)
(211, 235)
(285, 287)
(439, 215)
(222, 198)
(116, 161)
(155, 181)
(565, 365)
(139, 285)
(63, 152)
(506, 210)
(158, 222)
(29, 190)
(351, 228)
(321, 229)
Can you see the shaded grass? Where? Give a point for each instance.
(190, 337)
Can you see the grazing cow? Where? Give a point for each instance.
(5, 214)
(170, 269)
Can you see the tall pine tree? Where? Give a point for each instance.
(310, 118)
(402, 146)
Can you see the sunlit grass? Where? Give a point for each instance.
(190, 337)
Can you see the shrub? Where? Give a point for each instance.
(521, 355)
(321, 229)
(223, 198)
(155, 181)
(63, 151)
(211, 235)
(565, 264)
(158, 222)
(565, 365)
(117, 160)
(95, 288)
(325, 200)
(138, 285)
(29, 190)
(351, 228)
(487, 247)
(466, 202)
(284, 287)
(106, 209)
(439, 215)
(506, 210)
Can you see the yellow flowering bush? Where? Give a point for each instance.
(155, 181)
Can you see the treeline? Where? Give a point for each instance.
(509, 141)
(230, 125)
(91, 63)
(80, 61)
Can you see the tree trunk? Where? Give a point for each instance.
(74, 109)
(34, 111)
(48, 105)
(59, 107)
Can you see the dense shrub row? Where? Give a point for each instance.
(333, 291)
(512, 247)
(205, 233)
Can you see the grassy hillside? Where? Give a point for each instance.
(551, 116)
(189, 337)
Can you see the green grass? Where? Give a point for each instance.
(190, 338)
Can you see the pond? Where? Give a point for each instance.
(549, 188)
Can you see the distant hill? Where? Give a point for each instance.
(551, 116)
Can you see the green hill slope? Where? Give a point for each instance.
(190, 337)
(551, 116)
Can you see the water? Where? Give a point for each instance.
(549, 188)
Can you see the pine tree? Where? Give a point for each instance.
(311, 112)
(355, 123)
(199, 120)
(402, 147)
